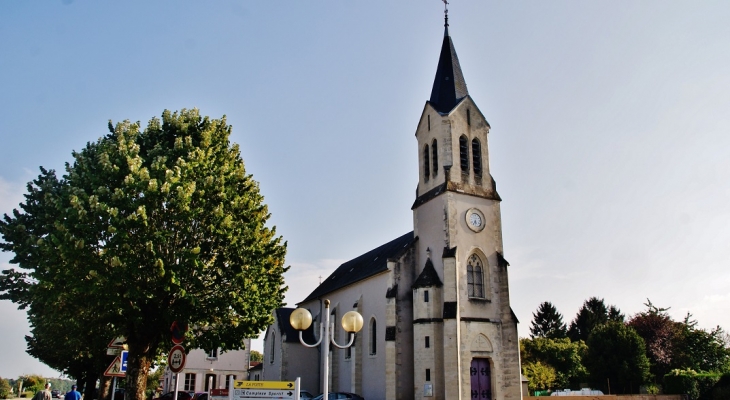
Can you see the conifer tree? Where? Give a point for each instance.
(547, 322)
(592, 314)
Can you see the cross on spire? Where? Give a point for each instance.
(446, 13)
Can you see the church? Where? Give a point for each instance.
(435, 301)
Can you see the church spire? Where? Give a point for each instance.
(449, 86)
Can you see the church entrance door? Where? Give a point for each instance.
(481, 379)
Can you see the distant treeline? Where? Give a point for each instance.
(648, 352)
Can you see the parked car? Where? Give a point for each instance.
(303, 394)
(180, 396)
(340, 396)
(56, 394)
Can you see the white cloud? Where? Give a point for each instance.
(11, 194)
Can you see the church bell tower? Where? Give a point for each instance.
(464, 331)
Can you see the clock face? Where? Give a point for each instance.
(475, 220)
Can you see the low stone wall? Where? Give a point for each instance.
(611, 397)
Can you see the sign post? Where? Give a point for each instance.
(176, 363)
(118, 367)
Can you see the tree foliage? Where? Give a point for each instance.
(699, 349)
(547, 322)
(564, 356)
(146, 228)
(256, 356)
(658, 330)
(616, 356)
(4, 389)
(539, 376)
(592, 314)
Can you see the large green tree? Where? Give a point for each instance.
(699, 349)
(4, 388)
(539, 376)
(616, 358)
(563, 356)
(147, 228)
(548, 322)
(658, 330)
(592, 314)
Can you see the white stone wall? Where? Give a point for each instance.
(484, 327)
(369, 295)
(233, 362)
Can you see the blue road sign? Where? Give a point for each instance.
(124, 361)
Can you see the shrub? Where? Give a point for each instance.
(697, 386)
(4, 389)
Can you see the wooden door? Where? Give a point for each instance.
(481, 379)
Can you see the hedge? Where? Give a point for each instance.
(698, 385)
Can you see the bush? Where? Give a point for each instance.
(697, 386)
(4, 389)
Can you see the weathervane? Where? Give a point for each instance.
(446, 13)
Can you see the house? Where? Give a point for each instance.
(435, 301)
(210, 370)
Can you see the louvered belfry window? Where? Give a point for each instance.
(475, 277)
(435, 157)
(464, 154)
(476, 154)
(426, 164)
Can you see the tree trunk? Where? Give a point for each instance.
(89, 384)
(141, 353)
(105, 387)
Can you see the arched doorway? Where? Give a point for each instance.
(481, 379)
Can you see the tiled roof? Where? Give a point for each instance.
(371, 263)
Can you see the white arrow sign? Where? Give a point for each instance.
(250, 394)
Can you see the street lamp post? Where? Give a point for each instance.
(301, 319)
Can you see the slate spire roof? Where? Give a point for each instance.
(449, 86)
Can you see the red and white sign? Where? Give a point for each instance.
(176, 359)
(115, 368)
(117, 343)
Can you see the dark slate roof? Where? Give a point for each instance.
(292, 335)
(428, 277)
(371, 263)
(449, 86)
(257, 367)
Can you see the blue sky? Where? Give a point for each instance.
(609, 142)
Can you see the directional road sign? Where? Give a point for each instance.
(262, 394)
(263, 390)
(262, 385)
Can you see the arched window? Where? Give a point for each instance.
(464, 154)
(475, 277)
(273, 346)
(373, 337)
(426, 164)
(476, 155)
(435, 157)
